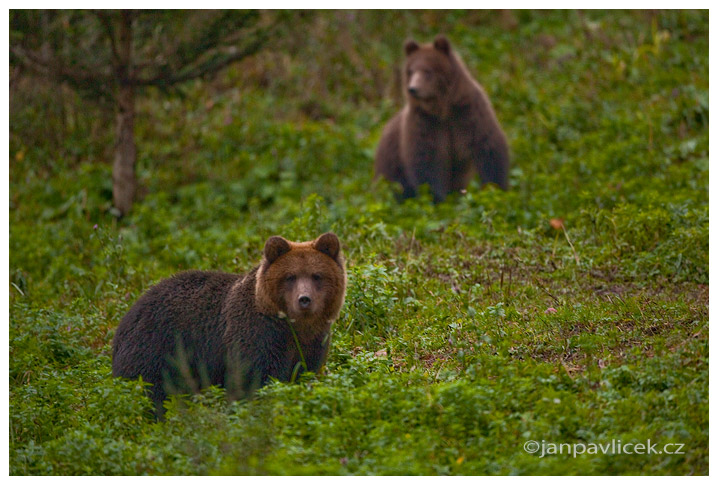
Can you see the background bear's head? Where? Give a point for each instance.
(429, 73)
(303, 280)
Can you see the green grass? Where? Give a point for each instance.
(447, 357)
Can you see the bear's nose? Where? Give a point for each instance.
(413, 91)
(305, 301)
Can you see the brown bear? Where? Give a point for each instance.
(446, 131)
(201, 328)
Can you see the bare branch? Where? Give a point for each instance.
(83, 78)
(208, 67)
(110, 31)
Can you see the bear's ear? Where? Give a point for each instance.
(442, 44)
(410, 46)
(329, 244)
(275, 247)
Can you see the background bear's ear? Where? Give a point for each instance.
(410, 46)
(275, 247)
(442, 44)
(329, 244)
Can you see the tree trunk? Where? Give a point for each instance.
(123, 169)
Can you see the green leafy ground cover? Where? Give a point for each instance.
(445, 359)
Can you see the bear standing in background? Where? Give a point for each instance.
(201, 328)
(446, 132)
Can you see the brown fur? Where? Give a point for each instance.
(238, 331)
(446, 132)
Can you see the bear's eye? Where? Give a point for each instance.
(316, 277)
(290, 278)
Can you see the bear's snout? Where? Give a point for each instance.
(304, 301)
(303, 297)
(414, 85)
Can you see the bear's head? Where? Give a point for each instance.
(303, 280)
(429, 74)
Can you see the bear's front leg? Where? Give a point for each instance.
(426, 146)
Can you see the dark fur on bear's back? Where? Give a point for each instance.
(146, 340)
(201, 328)
(446, 132)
